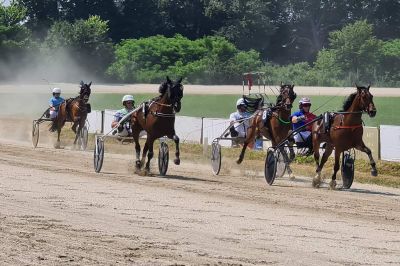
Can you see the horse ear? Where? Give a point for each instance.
(369, 86)
(168, 80)
(292, 86)
(90, 84)
(179, 80)
(281, 83)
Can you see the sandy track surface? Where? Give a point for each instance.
(189, 89)
(55, 210)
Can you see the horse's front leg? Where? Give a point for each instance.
(328, 151)
(177, 160)
(363, 148)
(57, 145)
(149, 155)
(138, 163)
(332, 184)
(251, 135)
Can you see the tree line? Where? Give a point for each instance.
(330, 43)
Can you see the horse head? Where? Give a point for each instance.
(286, 96)
(85, 91)
(173, 90)
(365, 100)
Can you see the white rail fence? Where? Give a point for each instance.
(383, 141)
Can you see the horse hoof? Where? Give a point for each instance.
(292, 177)
(146, 171)
(177, 161)
(316, 182)
(239, 161)
(374, 172)
(332, 185)
(138, 164)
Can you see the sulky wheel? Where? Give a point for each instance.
(83, 138)
(270, 166)
(35, 133)
(163, 158)
(98, 154)
(348, 158)
(280, 163)
(216, 157)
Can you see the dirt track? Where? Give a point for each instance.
(55, 210)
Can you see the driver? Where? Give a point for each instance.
(300, 118)
(124, 129)
(55, 103)
(238, 126)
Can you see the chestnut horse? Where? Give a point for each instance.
(73, 110)
(345, 132)
(277, 126)
(157, 118)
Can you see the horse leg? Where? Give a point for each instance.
(317, 179)
(332, 184)
(149, 156)
(177, 160)
(250, 137)
(287, 161)
(138, 163)
(57, 145)
(144, 153)
(363, 148)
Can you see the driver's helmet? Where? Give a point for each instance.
(240, 102)
(127, 98)
(56, 91)
(305, 100)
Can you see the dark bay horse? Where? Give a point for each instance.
(346, 132)
(157, 118)
(277, 126)
(73, 110)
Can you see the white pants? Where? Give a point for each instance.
(302, 136)
(241, 129)
(53, 114)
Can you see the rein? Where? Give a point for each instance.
(347, 127)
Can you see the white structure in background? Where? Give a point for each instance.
(390, 143)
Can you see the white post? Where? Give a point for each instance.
(205, 147)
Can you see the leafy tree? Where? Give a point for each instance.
(356, 49)
(40, 14)
(207, 60)
(14, 37)
(248, 24)
(85, 40)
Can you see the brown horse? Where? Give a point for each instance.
(277, 126)
(157, 118)
(73, 110)
(345, 132)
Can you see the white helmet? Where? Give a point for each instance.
(240, 102)
(57, 90)
(305, 100)
(127, 98)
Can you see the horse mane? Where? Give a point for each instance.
(163, 88)
(348, 101)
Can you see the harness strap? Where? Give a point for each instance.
(347, 127)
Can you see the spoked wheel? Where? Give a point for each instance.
(35, 133)
(280, 163)
(271, 162)
(348, 158)
(83, 138)
(163, 158)
(98, 154)
(216, 157)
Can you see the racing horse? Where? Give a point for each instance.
(157, 118)
(274, 126)
(345, 132)
(73, 110)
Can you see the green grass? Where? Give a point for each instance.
(218, 106)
